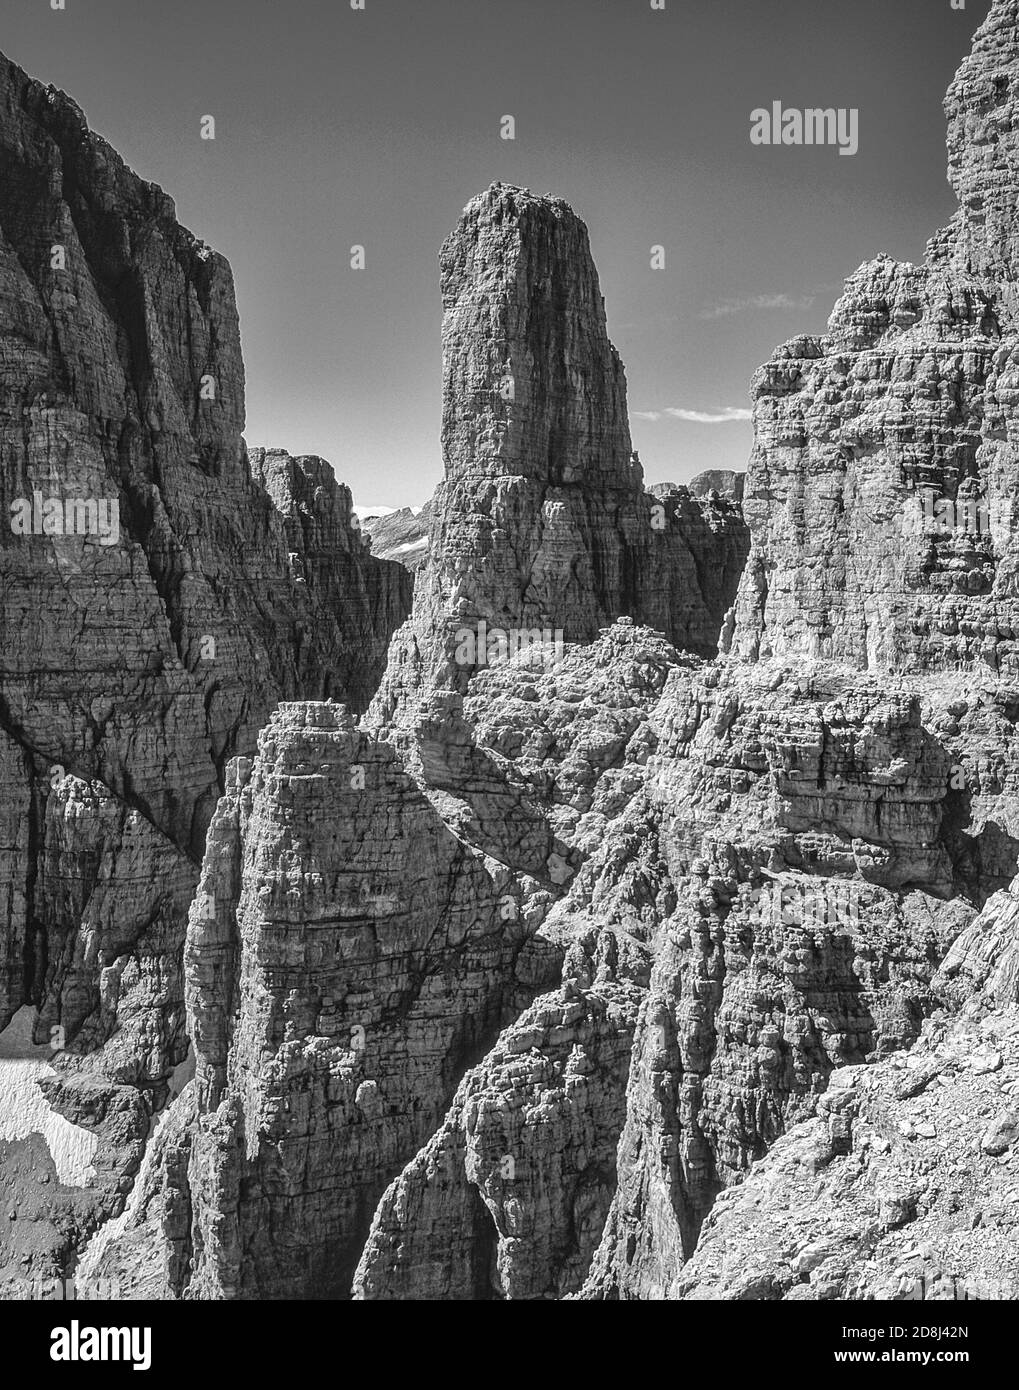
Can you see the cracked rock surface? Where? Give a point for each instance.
(675, 959)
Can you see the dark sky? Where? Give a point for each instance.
(337, 127)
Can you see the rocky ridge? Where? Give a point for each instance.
(151, 629)
(689, 977)
(401, 535)
(824, 812)
(521, 762)
(904, 1184)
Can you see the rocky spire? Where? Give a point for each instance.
(542, 522)
(746, 873)
(538, 521)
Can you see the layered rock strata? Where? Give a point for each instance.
(615, 973)
(904, 1185)
(348, 956)
(880, 499)
(882, 489)
(542, 521)
(401, 535)
(823, 815)
(370, 913)
(159, 590)
(148, 645)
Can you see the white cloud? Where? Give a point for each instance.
(698, 417)
(757, 301)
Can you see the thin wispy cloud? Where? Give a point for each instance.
(756, 301)
(697, 417)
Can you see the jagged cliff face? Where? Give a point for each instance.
(863, 440)
(347, 602)
(542, 521)
(628, 974)
(882, 491)
(730, 883)
(155, 614)
(904, 1184)
(538, 521)
(367, 921)
(858, 744)
(517, 767)
(821, 818)
(368, 956)
(983, 152)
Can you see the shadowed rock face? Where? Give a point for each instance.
(148, 657)
(140, 656)
(509, 1197)
(513, 770)
(563, 978)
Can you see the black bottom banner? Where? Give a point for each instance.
(78, 1339)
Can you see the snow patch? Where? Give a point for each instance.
(362, 512)
(182, 1074)
(24, 1110)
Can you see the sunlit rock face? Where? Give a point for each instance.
(841, 798)
(160, 592)
(539, 519)
(623, 970)
(439, 840)
(348, 955)
(983, 153)
(542, 520)
(882, 489)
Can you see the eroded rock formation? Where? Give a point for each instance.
(542, 521)
(159, 592)
(823, 813)
(518, 766)
(615, 969)
(904, 1184)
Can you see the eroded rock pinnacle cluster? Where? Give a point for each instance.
(633, 915)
